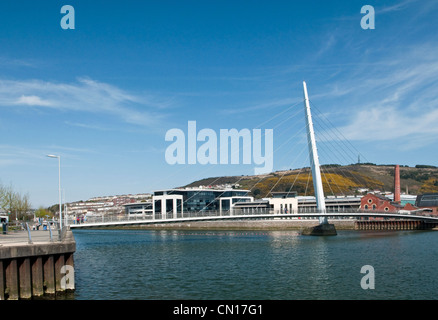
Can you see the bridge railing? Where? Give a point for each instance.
(187, 214)
(302, 214)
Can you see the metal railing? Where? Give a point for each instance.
(31, 236)
(108, 219)
(303, 213)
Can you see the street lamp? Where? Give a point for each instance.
(59, 188)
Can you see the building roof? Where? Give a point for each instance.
(427, 200)
(202, 189)
(290, 194)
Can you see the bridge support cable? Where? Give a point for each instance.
(285, 120)
(208, 169)
(343, 139)
(338, 146)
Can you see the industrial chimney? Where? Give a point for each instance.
(397, 184)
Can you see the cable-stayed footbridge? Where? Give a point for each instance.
(103, 222)
(160, 214)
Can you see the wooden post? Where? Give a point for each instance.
(59, 263)
(70, 285)
(2, 281)
(37, 277)
(49, 275)
(12, 280)
(25, 279)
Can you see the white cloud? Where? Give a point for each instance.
(378, 124)
(85, 95)
(389, 101)
(33, 101)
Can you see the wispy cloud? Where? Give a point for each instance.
(393, 101)
(12, 155)
(84, 95)
(397, 7)
(17, 63)
(262, 106)
(87, 126)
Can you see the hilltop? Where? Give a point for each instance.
(337, 180)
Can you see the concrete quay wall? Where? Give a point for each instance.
(289, 224)
(37, 269)
(259, 224)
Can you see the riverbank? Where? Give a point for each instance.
(278, 224)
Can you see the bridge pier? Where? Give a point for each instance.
(323, 229)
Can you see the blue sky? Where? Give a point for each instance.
(103, 96)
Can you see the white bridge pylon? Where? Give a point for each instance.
(314, 160)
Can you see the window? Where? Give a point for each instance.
(157, 206)
(386, 209)
(169, 205)
(225, 204)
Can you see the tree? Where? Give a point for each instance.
(42, 213)
(13, 202)
(21, 205)
(6, 198)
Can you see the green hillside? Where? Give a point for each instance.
(337, 180)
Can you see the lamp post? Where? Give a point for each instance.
(59, 188)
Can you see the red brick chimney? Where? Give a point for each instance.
(397, 184)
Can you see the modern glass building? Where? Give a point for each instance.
(172, 203)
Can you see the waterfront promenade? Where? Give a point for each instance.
(14, 238)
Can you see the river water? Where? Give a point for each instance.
(253, 265)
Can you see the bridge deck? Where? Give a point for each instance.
(356, 215)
